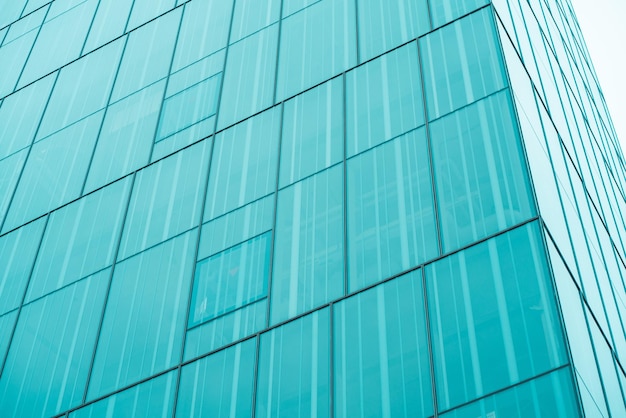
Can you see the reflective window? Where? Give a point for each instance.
(381, 358)
(7, 322)
(316, 43)
(53, 346)
(493, 318)
(294, 364)
(312, 132)
(220, 385)
(443, 11)
(384, 24)
(480, 173)
(109, 22)
(391, 216)
(253, 15)
(462, 63)
(10, 171)
(144, 320)
(244, 162)
(384, 99)
(145, 10)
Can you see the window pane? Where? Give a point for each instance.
(154, 398)
(244, 163)
(384, 99)
(384, 24)
(462, 63)
(17, 254)
(10, 171)
(145, 10)
(249, 76)
(80, 239)
(52, 346)
(144, 319)
(294, 364)
(391, 217)
(308, 250)
(7, 322)
(253, 15)
(493, 317)
(166, 199)
(443, 11)
(220, 385)
(480, 173)
(312, 132)
(316, 44)
(109, 22)
(382, 366)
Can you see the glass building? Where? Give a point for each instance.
(307, 208)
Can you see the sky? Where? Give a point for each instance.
(603, 23)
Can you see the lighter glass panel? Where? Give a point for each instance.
(443, 11)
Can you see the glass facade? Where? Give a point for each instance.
(307, 208)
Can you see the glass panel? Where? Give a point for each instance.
(144, 320)
(308, 266)
(109, 22)
(493, 318)
(48, 362)
(154, 398)
(444, 11)
(292, 6)
(316, 44)
(249, 76)
(55, 171)
(294, 364)
(148, 55)
(253, 15)
(384, 99)
(10, 11)
(391, 216)
(548, 396)
(480, 173)
(220, 385)
(126, 136)
(230, 280)
(312, 132)
(462, 63)
(384, 24)
(17, 254)
(80, 239)
(244, 163)
(382, 366)
(145, 10)
(10, 171)
(166, 199)
(94, 74)
(7, 322)
(16, 48)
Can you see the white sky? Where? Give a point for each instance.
(603, 23)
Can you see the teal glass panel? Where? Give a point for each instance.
(154, 398)
(144, 320)
(249, 76)
(204, 30)
(17, 254)
(80, 239)
(294, 364)
(384, 99)
(253, 15)
(480, 172)
(55, 171)
(33, 5)
(145, 10)
(493, 317)
(20, 115)
(315, 44)
(108, 23)
(60, 39)
(166, 199)
(391, 216)
(312, 132)
(462, 63)
(230, 280)
(293, 6)
(7, 323)
(48, 362)
(308, 266)
(126, 136)
(549, 396)
(385, 24)
(10, 170)
(244, 163)
(10, 11)
(30, 22)
(147, 56)
(381, 356)
(220, 385)
(444, 11)
(95, 74)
